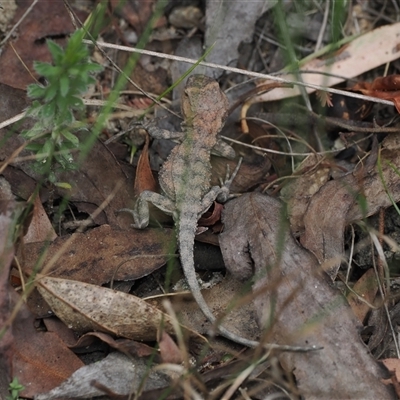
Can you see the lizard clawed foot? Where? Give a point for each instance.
(146, 123)
(224, 195)
(141, 124)
(140, 212)
(140, 222)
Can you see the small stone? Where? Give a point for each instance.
(185, 17)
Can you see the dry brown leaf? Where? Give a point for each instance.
(299, 191)
(56, 326)
(326, 219)
(95, 181)
(372, 188)
(12, 102)
(144, 179)
(210, 218)
(84, 308)
(40, 228)
(169, 350)
(393, 366)
(366, 287)
(103, 253)
(126, 346)
(305, 308)
(334, 206)
(99, 256)
(260, 134)
(98, 178)
(41, 360)
(48, 19)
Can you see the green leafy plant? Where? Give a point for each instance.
(53, 136)
(15, 388)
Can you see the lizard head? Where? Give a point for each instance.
(204, 104)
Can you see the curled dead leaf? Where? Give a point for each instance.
(364, 293)
(385, 88)
(144, 179)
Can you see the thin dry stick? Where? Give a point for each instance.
(179, 334)
(381, 255)
(88, 102)
(135, 258)
(242, 376)
(12, 157)
(381, 234)
(283, 153)
(12, 120)
(323, 25)
(241, 72)
(18, 23)
(23, 63)
(353, 237)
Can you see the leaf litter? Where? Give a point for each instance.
(305, 307)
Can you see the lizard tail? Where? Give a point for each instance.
(186, 246)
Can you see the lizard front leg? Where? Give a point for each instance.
(223, 149)
(140, 212)
(157, 133)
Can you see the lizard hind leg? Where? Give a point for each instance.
(140, 212)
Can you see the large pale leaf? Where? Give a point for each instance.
(84, 307)
(363, 54)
